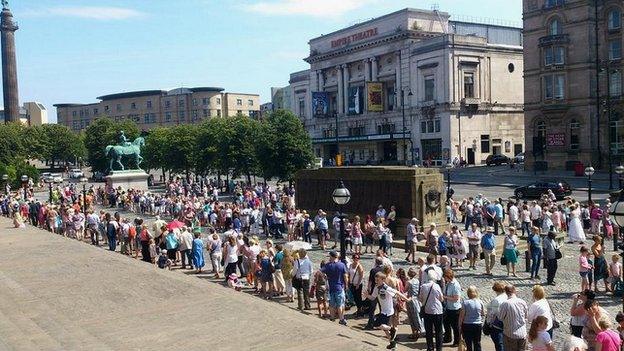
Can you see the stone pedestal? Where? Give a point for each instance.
(131, 179)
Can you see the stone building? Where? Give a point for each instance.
(573, 83)
(152, 108)
(32, 113)
(413, 86)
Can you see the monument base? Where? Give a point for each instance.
(131, 179)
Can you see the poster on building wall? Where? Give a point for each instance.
(356, 100)
(320, 104)
(555, 139)
(375, 96)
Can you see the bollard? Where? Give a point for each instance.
(527, 261)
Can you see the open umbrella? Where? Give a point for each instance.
(175, 224)
(298, 244)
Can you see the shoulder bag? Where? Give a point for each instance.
(422, 311)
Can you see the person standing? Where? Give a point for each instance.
(278, 277)
(356, 276)
(492, 315)
(488, 245)
(541, 307)
(511, 253)
(411, 239)
(144, 237)
(231, 256)
(513, 313)
(498, 217)
(337, 278)
(214, 248)
(452, 307)
(535, 250)
(301, 279)
(474, 239)
(385, 295)
(198, 252)
(186, 244)
(431, 298)
(470, 319)
(550, 251)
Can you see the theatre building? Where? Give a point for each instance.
(413, 86)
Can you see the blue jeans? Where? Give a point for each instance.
(112, 242)
(526, 226)
(536, 257)
(497, 339)
(468, 222)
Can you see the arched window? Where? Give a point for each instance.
(575, 128)
(540, 130)
(615, 19)
(554, 27)
(616, 132)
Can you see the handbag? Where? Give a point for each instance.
(422, 310)
(555, 322)
(296, 282)
(487, 328)
(558, 254)
(503, 260)
(482, 255)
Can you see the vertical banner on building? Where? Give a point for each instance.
(374, 99)
(320, 103)
(356, 100)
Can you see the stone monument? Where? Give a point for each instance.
(9, 65)
(131, 178)
(416, 192)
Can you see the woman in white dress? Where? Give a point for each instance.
(547, 220)
(575, 230)
(459, 247)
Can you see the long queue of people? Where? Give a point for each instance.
(427, 292)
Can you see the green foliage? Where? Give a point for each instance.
(154, 153)
(284, 146)
(181, 148)
(60, 143)
(16, 170)
(103, 132)
(12, 143)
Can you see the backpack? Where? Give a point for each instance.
(442, 244)
(487, 242)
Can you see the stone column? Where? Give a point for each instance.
(340, 97)
(345, 71)
(374, 70)
(367, 68)
(399, 84)
(9, 66)
(321, 80)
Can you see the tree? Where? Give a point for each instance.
(155, 150)
(284, 146)
(12, 143)
(102, 132)
(37, 143)
(181, 148)
(61, 143)
(242, 146)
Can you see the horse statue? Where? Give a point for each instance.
(115, 152)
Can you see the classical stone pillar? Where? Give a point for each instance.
(321, 80)
(9, 66)
(340, 97)
(397, 64)
(367, 68)
(374, 66)
(345, 71)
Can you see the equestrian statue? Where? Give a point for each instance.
(124, 148)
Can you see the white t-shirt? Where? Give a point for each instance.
(543, 339)
(431, 302)
(513, 213)
(385, 294)
(540, 308)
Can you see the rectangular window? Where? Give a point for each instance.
(75, 125)
(218, 101)
(148, 104)
(168, 117)
(559, 86)
(181, 115)
(390, 96)
(205, 101)
(239, 112)
(106, 108)
(205, 113)
(250, 102)
(485, 144)
(194, 102)
(437, 125)
(559, 55)
(74, 113)
(430, 127)
(95, 111)
(615, 83)
(615, 49)
(301, 108)
(553, 3)
(615, 19)
(548, 87)
(118, 107)
(239, 102)
(181, 103)
(423, 127)
(429, 89)
(133, 106)
(469, 85)
(218, 113)
(167, 104)
(146, 118)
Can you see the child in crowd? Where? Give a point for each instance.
(152, 250)
(234, 282)
(584, 268)
(319, 288)
(164, 261)
(615, 271)
(538, 336)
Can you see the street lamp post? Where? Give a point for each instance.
(589, 172)
(449, 166)
(617, 213)
(84, 181)
(620, 172)
(24, 179)
(341, 197)
(50, 192)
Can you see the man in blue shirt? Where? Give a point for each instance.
(338, 279)
(498, 217)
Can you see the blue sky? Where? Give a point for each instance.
(74, 51)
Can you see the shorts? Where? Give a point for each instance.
(473, 250)
(337, 299)
(584, 274)
(381, 319)
(357, 240)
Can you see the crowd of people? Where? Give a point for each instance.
(259, 240)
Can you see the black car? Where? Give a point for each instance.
(497, 160)
(561, 189)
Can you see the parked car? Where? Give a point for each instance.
(561, 189)
(75, 173)
(497, 160)
(98, 177)
(46, 177)
(57, 178)
(519, 158)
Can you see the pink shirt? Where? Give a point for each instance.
(583, 264)
(609, 339)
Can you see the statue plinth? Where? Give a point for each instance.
(130, 179)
